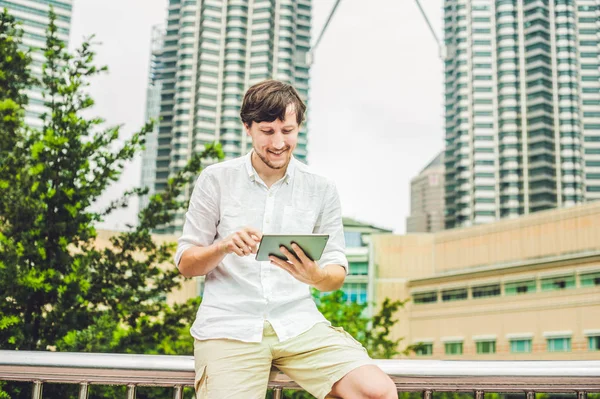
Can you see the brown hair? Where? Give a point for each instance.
(268, 100)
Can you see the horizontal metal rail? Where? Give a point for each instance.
(409, 375)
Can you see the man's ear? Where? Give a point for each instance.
(247, 127)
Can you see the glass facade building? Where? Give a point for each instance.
(522, 97)
(360, 281)
(33, 15)
(212, 51)
(153, 94)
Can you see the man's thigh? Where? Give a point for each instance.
(320, 357)
(231, 369)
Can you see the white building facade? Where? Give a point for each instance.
(522, 91)
(34, 18)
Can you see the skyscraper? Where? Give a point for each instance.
(33, 14)
(522, 90)
(427, 198)
(152, 113)
(213, 51)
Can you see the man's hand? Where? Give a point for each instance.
(242, 243)
(300, 266)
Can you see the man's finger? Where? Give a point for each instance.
(282, 264)
(248, 241)
(253, 232)
(234, 248)
(241, 246)
(300, 253)
(291, 257)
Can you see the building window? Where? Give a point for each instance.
(454, 295)
(520, 346)
(359, 268)
(558, 283)
(486, 347)
(355, 292)
(424, 349)
(590, 279)
(594, 343)
(519, 287)
(485, 291)
(425, 297)
(353, 239)
(453, 348)
(562, 344)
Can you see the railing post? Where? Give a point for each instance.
(36, 393)
(130, 391)
(479, 394)
(178, 392)
(427, 394)
(83, 390)
(277, 391)
(530, 395)
(581, 395)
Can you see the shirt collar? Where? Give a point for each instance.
(252, 174)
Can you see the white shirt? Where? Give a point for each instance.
(241, 293)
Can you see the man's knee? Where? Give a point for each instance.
(382, 389)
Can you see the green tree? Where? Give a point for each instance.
(372, 332)
(59, 290)
(14, 78)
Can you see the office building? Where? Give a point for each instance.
(522, 90)
(213, 50)
(427, 198)
(359, 284)
(33, 14)
(153, 93)
(516, 289)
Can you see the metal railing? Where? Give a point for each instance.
(424, 376)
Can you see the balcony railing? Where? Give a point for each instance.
(426, 376)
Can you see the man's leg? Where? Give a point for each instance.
(327, 362)
(365, 382)
(231, 369)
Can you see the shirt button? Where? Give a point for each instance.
(268, 221)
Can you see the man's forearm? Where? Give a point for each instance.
(199, 261)
(334, 276)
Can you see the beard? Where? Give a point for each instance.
(269, 163)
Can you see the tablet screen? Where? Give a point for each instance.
(312, 245)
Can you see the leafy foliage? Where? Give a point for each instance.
(59, 290)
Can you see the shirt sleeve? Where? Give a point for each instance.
(330, 222)
(202, 216)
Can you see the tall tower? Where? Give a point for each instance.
(522, 92)
(213, 51)
(152, 113)
(34, 18)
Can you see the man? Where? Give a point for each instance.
(257, 314)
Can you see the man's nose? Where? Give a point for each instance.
(278, 141)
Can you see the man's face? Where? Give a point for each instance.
(275, 141)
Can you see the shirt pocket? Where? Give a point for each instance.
(233, 218)
(298, 220)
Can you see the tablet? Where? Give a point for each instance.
(312, 245)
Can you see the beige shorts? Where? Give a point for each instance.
(316, 360)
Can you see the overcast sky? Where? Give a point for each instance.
(376, 95)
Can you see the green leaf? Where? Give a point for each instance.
(37, 169)
(36, 149)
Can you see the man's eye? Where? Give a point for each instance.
(287, 131)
